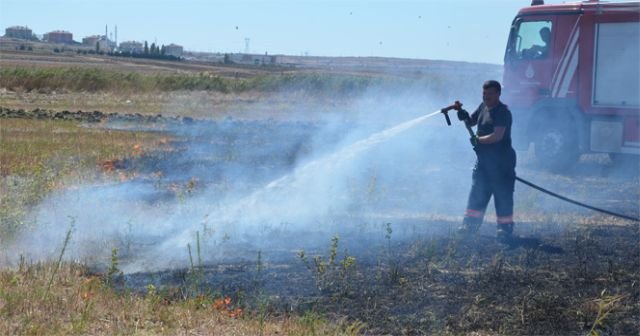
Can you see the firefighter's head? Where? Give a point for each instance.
(545, 35)
(491, 90)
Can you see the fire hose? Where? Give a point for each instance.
(458, 106)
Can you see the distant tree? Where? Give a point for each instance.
(227, 59)
(163, 50)
(146, 48)
(97, 47)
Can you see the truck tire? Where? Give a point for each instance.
(556, 146)
(626, 161)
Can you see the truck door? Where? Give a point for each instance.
(529, 61)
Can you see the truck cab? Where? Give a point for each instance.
(572, 79)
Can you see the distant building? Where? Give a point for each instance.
(104, 45)
(253, 59)
(100, 42)
(173, 50)
(59, 36)
(19, 32)
(131, 47)
(91, 40)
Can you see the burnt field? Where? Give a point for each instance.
(286, 218)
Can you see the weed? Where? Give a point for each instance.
(430, 255)
(355, 328)
(257, 280)
(311, 322)
(67, 238)
(113, 272)
(331, 277)
(196, 275)
(261, 300)
(496, 267)
(394, 274)
(606, 304)
(452, 247)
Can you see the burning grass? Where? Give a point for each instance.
(379, 275)
(39, 156)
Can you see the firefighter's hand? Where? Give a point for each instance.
(474, 141)
(463, 115)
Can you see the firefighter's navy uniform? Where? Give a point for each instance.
(494, 171)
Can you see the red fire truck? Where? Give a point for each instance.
(572, 80)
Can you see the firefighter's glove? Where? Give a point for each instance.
(474, 141)
(463, 115)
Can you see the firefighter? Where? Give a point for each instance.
(494, 171)
(539, 51)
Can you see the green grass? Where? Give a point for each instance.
(94, 79)
(80, 79)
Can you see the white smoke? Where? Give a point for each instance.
(336, 172)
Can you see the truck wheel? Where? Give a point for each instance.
(556, 146)
(626, 161)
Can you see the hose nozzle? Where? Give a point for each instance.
(456, 106)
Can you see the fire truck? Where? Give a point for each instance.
(572, 80)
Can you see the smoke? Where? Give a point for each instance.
(235, 187)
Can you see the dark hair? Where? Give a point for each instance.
(492, 84)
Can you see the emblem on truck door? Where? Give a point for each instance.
(529, 72)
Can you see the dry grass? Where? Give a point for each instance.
(79, 303)
(39, 156)
(197, 104)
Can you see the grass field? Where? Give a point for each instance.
(399, 282)
(39, 156)
(62, 299)
(53, 298)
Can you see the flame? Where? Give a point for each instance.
(137, 150)
(218, 304)
(224, 305)
(109, 165)
(236, 313)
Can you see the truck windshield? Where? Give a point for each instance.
(530, 40)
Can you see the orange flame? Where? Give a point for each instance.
(137, 150)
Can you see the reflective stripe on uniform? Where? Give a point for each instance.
(505, 219)
(473, 213)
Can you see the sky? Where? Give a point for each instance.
(458, 30)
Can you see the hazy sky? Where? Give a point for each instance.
(467, 30)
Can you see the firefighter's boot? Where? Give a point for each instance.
(469, 226)
(504, 233)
